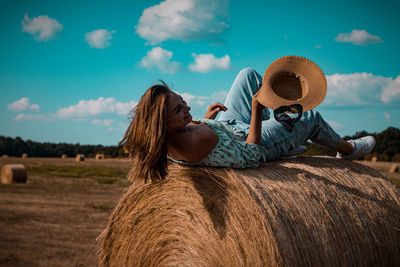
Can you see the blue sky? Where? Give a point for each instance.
(70, 71)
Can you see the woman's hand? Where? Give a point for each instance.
(213, 110)
(255, 105)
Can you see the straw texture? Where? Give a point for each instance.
(303, 211)
(13, 173)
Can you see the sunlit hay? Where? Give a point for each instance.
(24, 155)
(303, 211)
(13, 173)
(80, 157)
(99, 156)
(394, 168)
(63, 156)
(374, 159)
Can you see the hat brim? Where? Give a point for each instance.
(307, 72)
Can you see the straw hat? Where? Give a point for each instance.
(292, 80)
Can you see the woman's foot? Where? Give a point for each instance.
(360, 147)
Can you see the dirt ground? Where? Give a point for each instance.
(54, 220)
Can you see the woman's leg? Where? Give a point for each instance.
(279, 141)
(238, 101)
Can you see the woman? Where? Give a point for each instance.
(162, 128)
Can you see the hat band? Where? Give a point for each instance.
(284, 119)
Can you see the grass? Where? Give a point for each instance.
(104, 180)
(102, 174)
(100, 207)
(395, 181)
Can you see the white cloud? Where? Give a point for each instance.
(99, 38)
(95, 107)
(160, 59)
(358, 37)
(42, 27)
(123, 108)
(199, 104)
(106, 122)
(360, 89)
(387, 115)
(19, 117)
(335, 125)
(23, 104)
(19, 105)
(184, 20)
(208, 62)
(24, 116)
(34, 107)
(391, 92)
(219, 96)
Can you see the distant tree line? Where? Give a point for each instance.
(15, 147)
(387, 147)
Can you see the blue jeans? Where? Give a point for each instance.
(274, 137)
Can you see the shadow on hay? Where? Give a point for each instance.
(342, 188)
(214, 193)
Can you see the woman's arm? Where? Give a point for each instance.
(254, 136)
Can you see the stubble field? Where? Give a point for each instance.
(55, 218)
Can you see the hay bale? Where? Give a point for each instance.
(24, 155)
(80, 157)
(5, 156)
(374, 159)
(99, 156)
(13, 173)
(304, 211)
(394, 168)
(63, 156)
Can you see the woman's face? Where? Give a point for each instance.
(178, 115)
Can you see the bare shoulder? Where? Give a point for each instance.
(195, 144)
(203, 142)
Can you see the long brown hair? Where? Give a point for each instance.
(145, 139)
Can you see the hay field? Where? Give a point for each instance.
(54, 219)
(384, 168)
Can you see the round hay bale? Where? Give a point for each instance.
(13, 173)
(24, 155)
(374, 159)
(394, 168)
(99, 156)
(63, 156)
(303, 211)
(80, 157)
